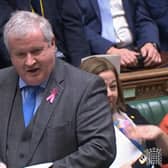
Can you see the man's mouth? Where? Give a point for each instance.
(34, 70)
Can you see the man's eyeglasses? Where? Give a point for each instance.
(37, 6)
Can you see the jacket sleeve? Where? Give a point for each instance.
(98, 44)
(146, 27)
(92, 25)
(94, 130)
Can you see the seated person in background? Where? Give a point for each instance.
(128, 120)
(110, 29)
(65, 18)
(152, 23)
(65, 125)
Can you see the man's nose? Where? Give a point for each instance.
(29, 59)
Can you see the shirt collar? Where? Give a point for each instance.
(22, 84)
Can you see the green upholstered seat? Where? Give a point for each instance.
(152, 109)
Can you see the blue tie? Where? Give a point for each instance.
(107, 21)
(29, 103)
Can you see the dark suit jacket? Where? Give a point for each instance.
(152, 22)
(65, 17)
(93, 26)
(74, 131)
(135, 116)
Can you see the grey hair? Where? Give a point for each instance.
(23, 22)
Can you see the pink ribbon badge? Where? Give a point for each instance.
(52, 95)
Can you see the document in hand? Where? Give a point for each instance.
(41, 165)
(124, 154)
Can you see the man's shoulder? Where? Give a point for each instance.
(78, 78)
(6, 73)
(77, 82)
(78, 74)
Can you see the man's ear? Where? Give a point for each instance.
(53, 42)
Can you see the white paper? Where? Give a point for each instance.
(114, 59)
(126, 150)
(41, 165)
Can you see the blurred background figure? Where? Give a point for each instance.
(65, 17)
(110, 28)
(127, 120)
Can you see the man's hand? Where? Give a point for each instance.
(128, 57)
(151, 54)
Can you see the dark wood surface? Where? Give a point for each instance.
(146, 83)
(164, 63)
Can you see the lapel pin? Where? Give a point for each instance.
(132, 117)
(53, 94)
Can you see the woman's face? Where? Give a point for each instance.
(111, 84)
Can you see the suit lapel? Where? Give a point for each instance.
(126, 6)
(129, 9)
(47, 108)
(95, 5)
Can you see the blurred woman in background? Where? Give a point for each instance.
(130, 127)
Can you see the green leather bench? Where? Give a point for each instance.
(152, 109)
